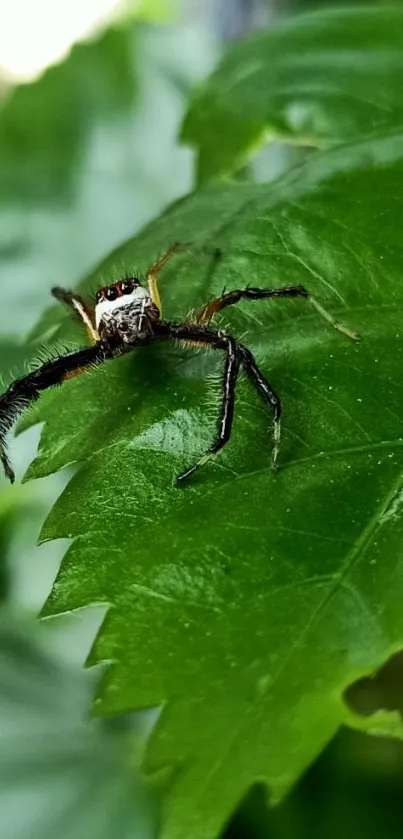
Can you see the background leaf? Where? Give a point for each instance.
(247, 602)
(22, 512)
(87, 155)
(60, 774)
(318, 79)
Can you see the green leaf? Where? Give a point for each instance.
(248, 601)
(319, 79)
(61, 775)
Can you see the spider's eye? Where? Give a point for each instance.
(111, 293)
(127, 286)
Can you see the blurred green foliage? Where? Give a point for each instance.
(352, 790)
(59, 774)
(303, 5)
(88, 154)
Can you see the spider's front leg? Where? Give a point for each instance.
(83, 310)
(155, 269)
(23, 392)
(152, 274)
(231, 297)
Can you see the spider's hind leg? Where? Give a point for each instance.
(84, 311)
(268, 395)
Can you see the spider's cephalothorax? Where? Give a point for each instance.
(128, 314)
(126, 311)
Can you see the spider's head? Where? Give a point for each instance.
(123, 293)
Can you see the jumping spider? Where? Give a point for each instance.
(128, 314)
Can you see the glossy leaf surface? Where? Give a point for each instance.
(317, 80)
(247, 601)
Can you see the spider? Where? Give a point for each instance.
(128, 314)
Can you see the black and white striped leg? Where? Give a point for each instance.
(231, 370)
(267, 393)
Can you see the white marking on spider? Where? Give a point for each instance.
(106, 307)
(78, 306)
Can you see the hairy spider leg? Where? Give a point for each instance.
(85, 311)
(152, 274)
(236, 354)
(268, 395)
(211, 309)
(224, 425)
(26, 390)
